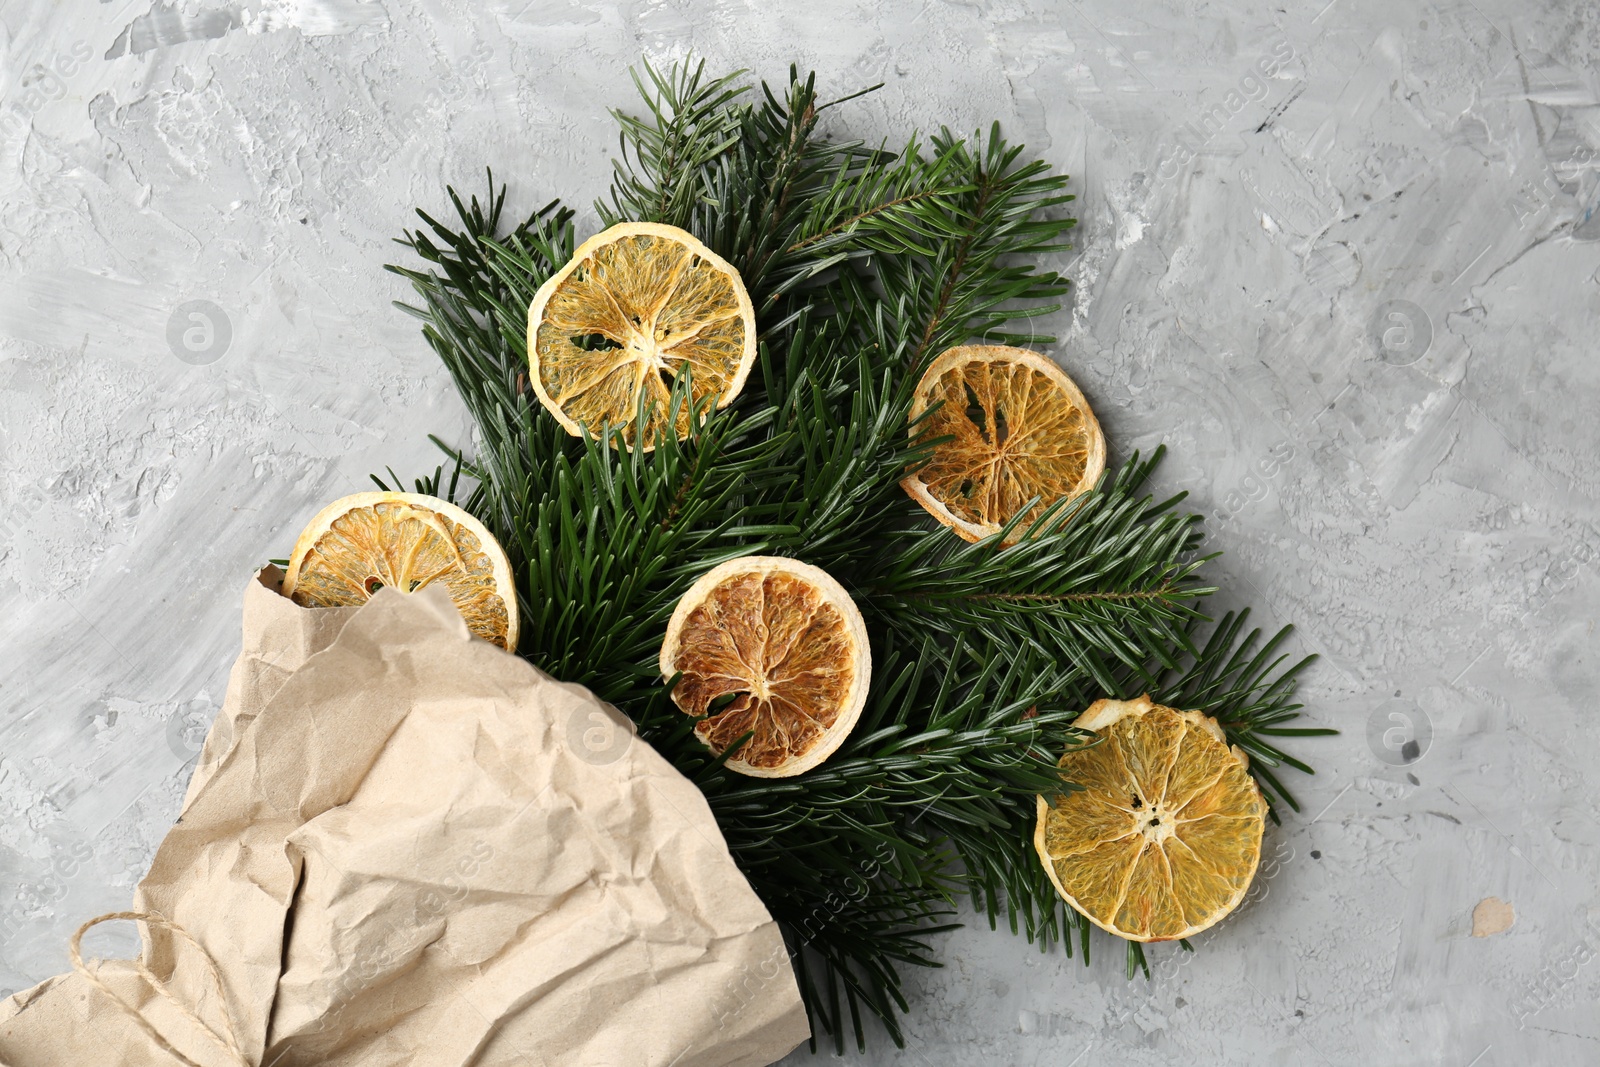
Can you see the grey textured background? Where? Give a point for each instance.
(1357, 297)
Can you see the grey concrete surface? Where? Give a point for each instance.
(1342, 259)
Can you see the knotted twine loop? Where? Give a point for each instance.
(227, 1041)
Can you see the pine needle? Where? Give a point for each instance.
(863, 264)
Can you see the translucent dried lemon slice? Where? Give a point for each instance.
(616, 326)
(1021, 429)
(1163, 837)
(787, 644)
(362, 543)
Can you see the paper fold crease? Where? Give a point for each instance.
(396, 855)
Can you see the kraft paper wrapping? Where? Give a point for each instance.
(398, 849)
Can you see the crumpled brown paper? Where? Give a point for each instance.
(402, 846)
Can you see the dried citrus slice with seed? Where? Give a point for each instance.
(774, 646)
(1021, 429)
(406, 541)
(1163, 837)
(615, 327)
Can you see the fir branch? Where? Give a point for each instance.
(1005, 212)
(863, 264)
(660, 171)
(1107, 583)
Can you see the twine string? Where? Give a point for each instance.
(228, 1041)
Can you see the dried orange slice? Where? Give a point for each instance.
(1164, 835)
(616, 326)
(788, 644)
(358, 545)
(1022, 429)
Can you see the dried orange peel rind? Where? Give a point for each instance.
(1163, 837)
(789, 643)
(1021, 429)
(616, 326)
(407, 541)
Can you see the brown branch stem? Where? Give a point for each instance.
(876, 209)
(1163, 592)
